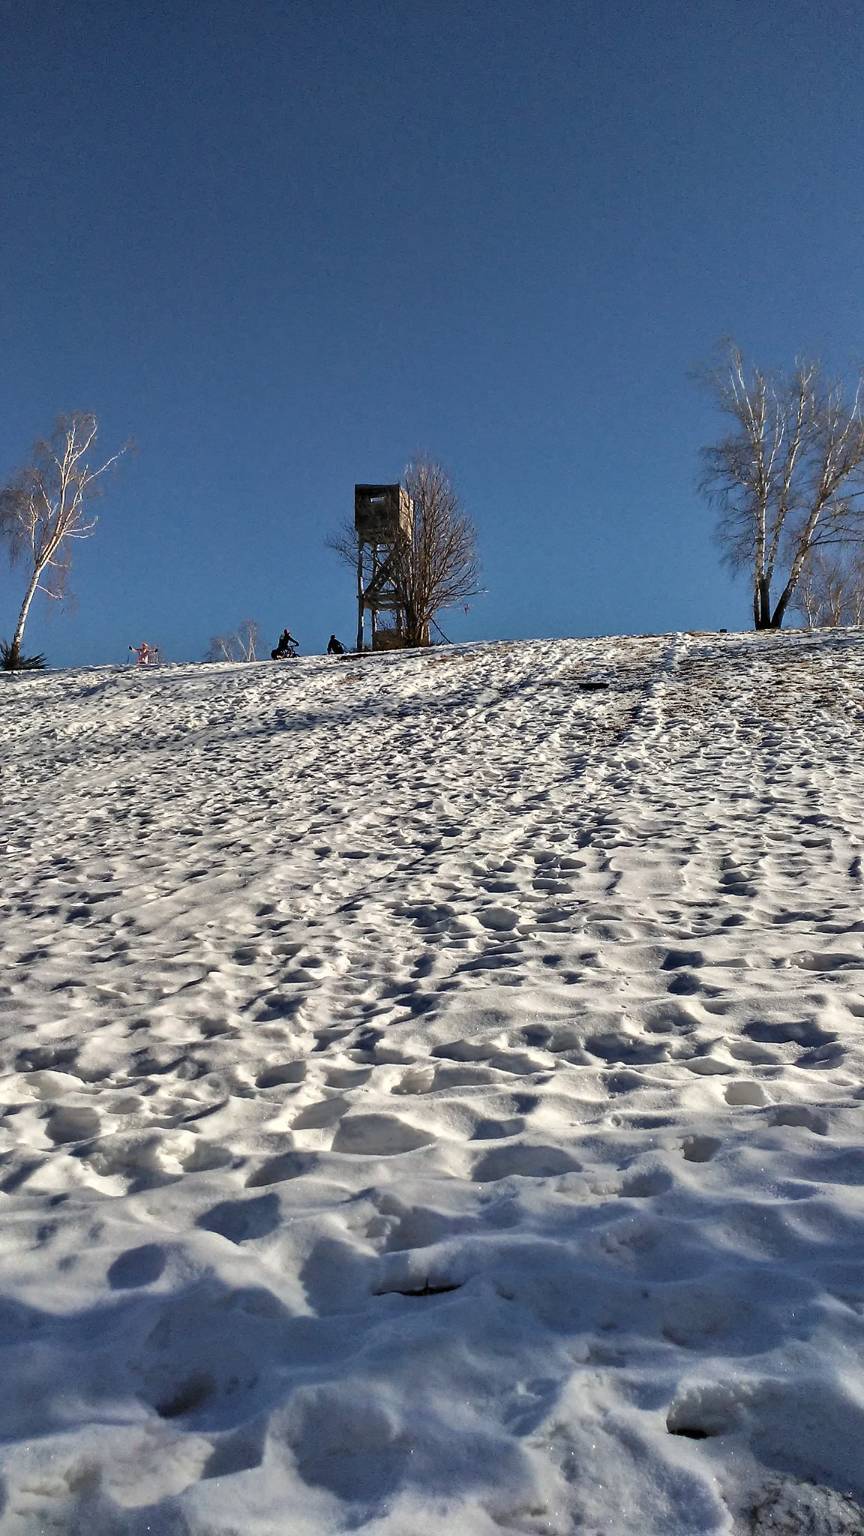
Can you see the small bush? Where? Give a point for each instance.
(12, 662)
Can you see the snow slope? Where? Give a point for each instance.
(432, 1093)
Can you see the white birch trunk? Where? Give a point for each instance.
(25, 609)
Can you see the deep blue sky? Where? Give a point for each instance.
(286, 245)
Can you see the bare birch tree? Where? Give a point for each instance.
(435, 566)
(239, 645)
(788, 477)
(47, 506)
(831, 591)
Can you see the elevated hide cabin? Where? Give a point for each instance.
(383, 517)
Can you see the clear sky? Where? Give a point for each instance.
(286, 244)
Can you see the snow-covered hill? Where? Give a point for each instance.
(432, 1093)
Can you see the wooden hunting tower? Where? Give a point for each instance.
(383, 515)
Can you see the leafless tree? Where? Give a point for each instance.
(48, 505)
(435, 566)
(239, 645)
(831, 591)
(855, 597)
(788, 477)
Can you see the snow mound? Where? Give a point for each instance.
(432, 1093)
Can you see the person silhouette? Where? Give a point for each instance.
(285, 648)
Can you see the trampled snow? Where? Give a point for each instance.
(432, 1093)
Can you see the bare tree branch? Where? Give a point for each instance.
(831, 590)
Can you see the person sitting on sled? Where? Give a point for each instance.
(335, 647)
(285, 647)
